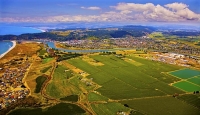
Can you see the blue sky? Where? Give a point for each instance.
(129, 11)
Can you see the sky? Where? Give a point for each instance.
(113, 11)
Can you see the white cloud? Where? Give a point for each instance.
(134, 7)
(169, 13)
(91, 8)
(176, 6)
(125, 12)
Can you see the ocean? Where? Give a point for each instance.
(4, 46)
(15, 30)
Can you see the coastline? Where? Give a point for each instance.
(13, 46)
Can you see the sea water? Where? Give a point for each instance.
(4, 46)
(15, 30)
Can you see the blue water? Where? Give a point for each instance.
(4, 46)
(14, 30)
(51, 44)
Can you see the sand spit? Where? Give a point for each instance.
(14, 44)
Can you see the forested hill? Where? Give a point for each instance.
(83, 33)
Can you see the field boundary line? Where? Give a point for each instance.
(179, 88)
(125, 83)
(193, 83)
(197, 76)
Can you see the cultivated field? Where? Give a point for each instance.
(162, 106)
(59, 109)
(114, 84)
(133, 81)
(122, 80)
(189, 80)
(59, 86)
(109, 108)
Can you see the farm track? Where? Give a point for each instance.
(25, 76)
(43, 93)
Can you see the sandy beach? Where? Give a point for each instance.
(14, 44)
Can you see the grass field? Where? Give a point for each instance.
(191, 99)
(187, 86)
(133, 62)
(59, 87)
(42, 52)
(59, 109)
(194, 80)
(96, 97)
(162, 106)
(109, 108)
(73, 98)
(47, 60)
(189, 79)
(143, 85)
(122, 80)
(39, 80)
(185, 73)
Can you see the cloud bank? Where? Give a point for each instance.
(124, 12)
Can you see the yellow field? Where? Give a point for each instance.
(132, 62)
(75, 69)
(92, 61)
(22, 51)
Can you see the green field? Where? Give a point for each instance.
(96, 97)
(46, 69)
(162, 106)
(191, 80)
(145, 89)
(73, 98)
(122, 80)
(59, 87)
(191, 99)
(187, 86)
(194, 80)
(39, 80)
(59, 109)
(185, 73)
(42, 52)
(109, 108)
(46, 60)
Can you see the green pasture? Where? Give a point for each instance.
(194, 80)
(79, 63)
(39, 80)
(42, 51)
(185, 73)
(96, 97)
(59, 86)
(46, 60)
(109, 108)
(73, 98)
(162, 106)
(59, 109)
(191, 99)
(81, 85)
(187, 86)
(122, 80)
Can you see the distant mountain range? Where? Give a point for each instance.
(90, 25)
